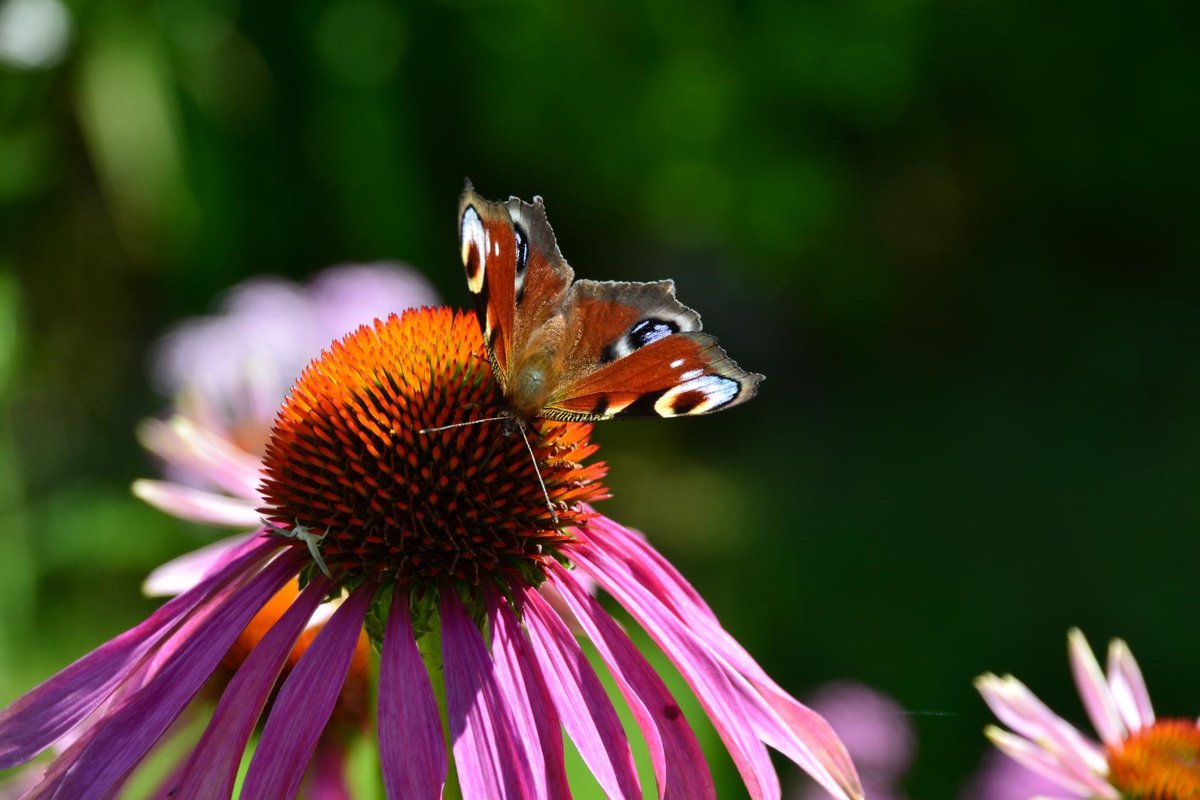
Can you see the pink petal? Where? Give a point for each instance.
(213, 766)
(1128, 688)
(679, 764)
(412, 748)
(47, 712)
(787, 725)
(1044, 764)
(182, 443)
(306, 701)
(180, 574)
(197, 505)
(706, 677)
(768, 714)
(1093, 690)
(583, 704)
(533, 711)
(486, 753)
(125, 736)
(1019, 708)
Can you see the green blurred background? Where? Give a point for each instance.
(960, 239)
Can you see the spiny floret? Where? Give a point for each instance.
(1160, 762)
(347, 457)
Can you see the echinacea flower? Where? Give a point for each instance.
(442, 539)
(1139, 757)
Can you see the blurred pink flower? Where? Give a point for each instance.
(1137, 756)
(228, 373)
(876, 732)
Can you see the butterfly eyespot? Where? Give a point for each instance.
(699, 395)
(647, 331)
(643, 332)
(522, 241)
(474, 246)
(522, 249)
(687, 401)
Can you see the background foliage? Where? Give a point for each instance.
(959, 238)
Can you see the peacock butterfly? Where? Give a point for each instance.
(581, 350)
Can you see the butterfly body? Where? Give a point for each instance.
(583, 350)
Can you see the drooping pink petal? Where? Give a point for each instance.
(533, 711)
(183, 444)
(306, 701)
(679, 764)
(197, 505)
(63, 761)
(704, 674)
(180, 574)
(783, 722)
(1093, 690)
(40, 717)
(412, 749)
(212, 768)
(482, 731)
(603, 530)
(125, 736)
(1128, 687)
(586, 712)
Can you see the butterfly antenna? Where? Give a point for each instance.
(538, 471)
(463, 424)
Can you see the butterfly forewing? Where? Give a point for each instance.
(515, 273)
(489, 252)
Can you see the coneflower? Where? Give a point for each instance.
(438, 543)
(1139, 757)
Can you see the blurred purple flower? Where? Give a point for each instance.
(230, 371)
(1001, 778)
(876, 732)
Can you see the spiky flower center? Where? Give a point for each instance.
(348, 462)
(1160, 762)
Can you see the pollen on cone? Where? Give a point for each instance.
(347, 459)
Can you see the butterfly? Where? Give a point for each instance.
(583, 350)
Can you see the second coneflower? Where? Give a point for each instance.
(439, 543)
(1140, 757)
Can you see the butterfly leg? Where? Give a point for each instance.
(537, 470)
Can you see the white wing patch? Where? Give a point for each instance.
(699, 395)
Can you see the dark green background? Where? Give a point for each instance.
(960, 239)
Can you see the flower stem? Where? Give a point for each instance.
(430, 646)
